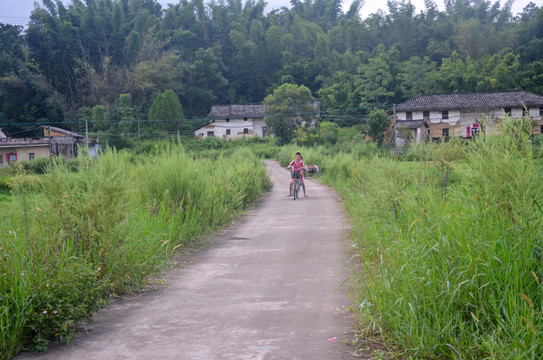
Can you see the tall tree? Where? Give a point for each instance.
(286, 109)
(11, 49)
(378, 122)
(167, 111)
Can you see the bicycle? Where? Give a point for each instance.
(296, 186)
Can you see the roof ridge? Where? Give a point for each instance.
(471, 100)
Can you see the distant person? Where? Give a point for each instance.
(297, 166)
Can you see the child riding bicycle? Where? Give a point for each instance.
(297, 166)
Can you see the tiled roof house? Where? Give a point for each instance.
(233, 121)
(464, 115)
(237, 120)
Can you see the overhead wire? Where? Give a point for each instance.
(322, 112)
(332, 115)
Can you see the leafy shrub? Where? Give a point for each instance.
(22, 182)
(329, 132)
(73, 165)
(4, 184)
(37, 166)
(73, 291)
(212, 143)
(537, 142)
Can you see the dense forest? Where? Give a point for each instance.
(108, 60)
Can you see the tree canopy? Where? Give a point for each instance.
(167, 108)
(74, 57)
(287, 108)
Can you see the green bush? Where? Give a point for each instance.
(538, 145)
(329, 132)
(4, 184)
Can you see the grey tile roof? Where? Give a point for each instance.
(471, 101)
(237, 111)
(409, 124)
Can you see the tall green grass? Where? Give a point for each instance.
(450, 245)
(70, 240)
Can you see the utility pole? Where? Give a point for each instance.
(50, 146)
(395, 135)
(87, 140)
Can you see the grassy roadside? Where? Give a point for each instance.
(448, 236)
(95, 233)
(450, 245)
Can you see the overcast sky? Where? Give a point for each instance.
(17, 12)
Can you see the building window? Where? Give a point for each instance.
(227, 131)
(210, 133)
(245, 130)
(244, 119)
(541, 111)
(426, 115)
(11, 157)
(541, 129)
(30, 156)
(1, 158)
(227, 119)
(507, 111)
(445, 114)
(445, 134)
(525, 112)
(409, 115)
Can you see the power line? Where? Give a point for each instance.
(327, 114)
(322, 112)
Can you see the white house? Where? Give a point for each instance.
(464, 115)
(234, 121)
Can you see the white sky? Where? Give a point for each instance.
(17, 12)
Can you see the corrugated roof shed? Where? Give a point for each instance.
(63, 131)
(471, 101)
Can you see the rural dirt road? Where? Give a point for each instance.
(269, 287)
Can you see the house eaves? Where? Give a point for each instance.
(409, 124)
(471, 101)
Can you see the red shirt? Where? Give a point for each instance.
(297, 166)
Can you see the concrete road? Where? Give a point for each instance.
(268, 288)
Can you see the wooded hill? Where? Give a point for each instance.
(75, 61)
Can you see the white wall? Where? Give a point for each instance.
(435, 116)
(534, 112)
(470, 116)
(236, 127)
